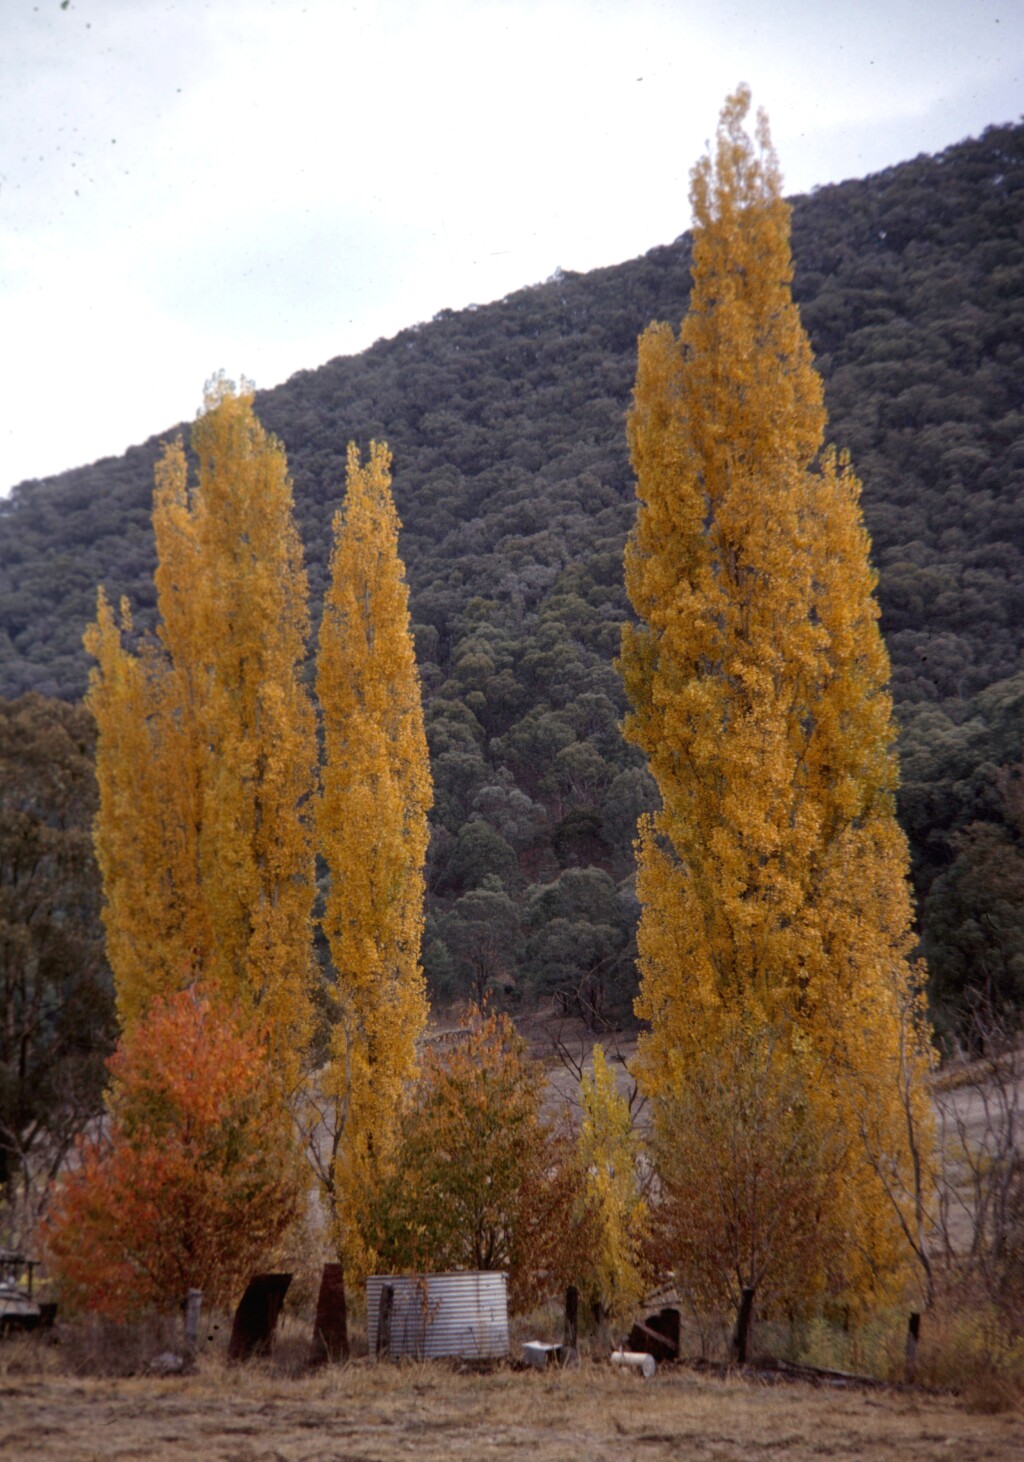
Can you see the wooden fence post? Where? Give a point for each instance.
(572, 1305)
(910, 1357)
(193, 1307)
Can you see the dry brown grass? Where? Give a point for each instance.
(259, 1412)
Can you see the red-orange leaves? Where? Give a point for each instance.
(194, 1180)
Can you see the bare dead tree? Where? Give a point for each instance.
(980, 1108)
(572, 1047)
(911, 1185)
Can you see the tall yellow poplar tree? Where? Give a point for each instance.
(147, 826)
(617, 1212)
(207, 749)
(773, 880)
(372, 826)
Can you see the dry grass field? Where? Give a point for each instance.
(430, 1410)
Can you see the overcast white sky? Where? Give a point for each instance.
(261, 185)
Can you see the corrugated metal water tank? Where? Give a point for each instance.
(463, 1314)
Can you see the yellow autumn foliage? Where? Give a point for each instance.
(373, 833)
(773, 879)
(206, 753)
(607, 1150)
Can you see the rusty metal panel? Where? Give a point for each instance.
(463, 1314)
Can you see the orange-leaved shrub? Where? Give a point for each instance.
(193, 1179)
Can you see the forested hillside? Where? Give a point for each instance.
(512, 480)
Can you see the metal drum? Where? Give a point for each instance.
(463, 1314)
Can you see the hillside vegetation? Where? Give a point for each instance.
(512, 480)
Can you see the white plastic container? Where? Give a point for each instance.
(636, 1360)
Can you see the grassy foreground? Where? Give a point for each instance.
(430, 1410)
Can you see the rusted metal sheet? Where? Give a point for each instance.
(459, 1314)
(257, 1315)
(330, 1329)
(658, 1335)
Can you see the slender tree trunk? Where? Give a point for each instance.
(743, 1318)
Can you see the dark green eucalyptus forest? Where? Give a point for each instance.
(513, 484)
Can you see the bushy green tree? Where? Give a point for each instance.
(481, 1178)
(56, 994)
